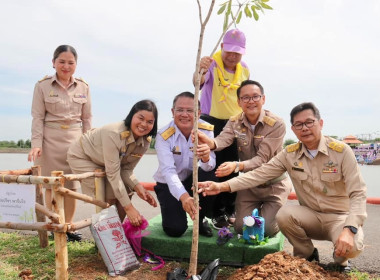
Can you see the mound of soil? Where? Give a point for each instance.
(281, 266)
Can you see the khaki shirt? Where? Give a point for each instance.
(254, 147)
(329, 183)
(114, 147)
(54, 103)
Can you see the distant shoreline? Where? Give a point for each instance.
(14, 150)
(26, 150)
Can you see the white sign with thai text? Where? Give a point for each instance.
(17, 203)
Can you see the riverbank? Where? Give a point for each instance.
(14, 150)
(26, 150)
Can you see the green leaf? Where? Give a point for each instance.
(256, 6)
(265, 1)
(247, 11)
(221, 10)
(225, 23)
(239, 17)
(255, 14)
(229, 8)
(265, 6)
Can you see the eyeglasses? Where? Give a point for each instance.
(246, 99)
(308, 124)
(181, 111)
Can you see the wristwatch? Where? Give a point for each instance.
(237, 168)
(354, 230)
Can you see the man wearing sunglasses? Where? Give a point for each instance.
(330, 190)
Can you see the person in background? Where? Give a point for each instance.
(330, 190)
(222, 75)
(174, 176)
(260, 135)
(117, 148)
(61, 112)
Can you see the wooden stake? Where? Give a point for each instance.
(43, 235)
(50, 214)
(35, 226)
(194, 244)
(61, 255)
(66, 192)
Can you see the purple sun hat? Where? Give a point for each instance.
(234, 41)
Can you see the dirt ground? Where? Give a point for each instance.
(277, 266)
(280, 265)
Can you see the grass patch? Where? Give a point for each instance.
(19, 252)
(357, 275)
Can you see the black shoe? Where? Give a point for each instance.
(74, 236)
(220, 222)
(339, 268)
(177, 274)
(204, 229)
(314, 256)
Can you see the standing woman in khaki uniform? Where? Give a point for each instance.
(61, 112)
(117, 148)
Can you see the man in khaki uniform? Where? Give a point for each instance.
(259, 134)
(330, 190)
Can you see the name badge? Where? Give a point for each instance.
(176, 151)
(136, 155)
(298, 169)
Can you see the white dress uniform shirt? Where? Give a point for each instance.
(175, 157)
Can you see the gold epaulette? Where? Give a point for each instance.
(269, 121)
(336, 146)
(149, 139)
(292, 147)
(167, 133)
(124, 134)
(235, 118)
(206, 126)
(82, 80)
(44, 78)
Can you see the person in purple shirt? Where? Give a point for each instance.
(221, 76)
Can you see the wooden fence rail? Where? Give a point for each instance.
(57, 216)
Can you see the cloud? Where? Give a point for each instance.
(320, 51)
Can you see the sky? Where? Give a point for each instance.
(326, 52)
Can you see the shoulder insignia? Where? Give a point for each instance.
(269, 121)
(336, 146)
(167, 133)
(292, 147)
(124, 134)
(82, 80)
(149, 139)
(235, 118)
(206, 126)
(44, 78)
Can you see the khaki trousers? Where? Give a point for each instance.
(267, 199)
(301, 224)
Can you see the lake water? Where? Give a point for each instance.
(149, 163)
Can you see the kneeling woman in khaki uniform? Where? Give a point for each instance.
(117, 148)
(61, 112)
